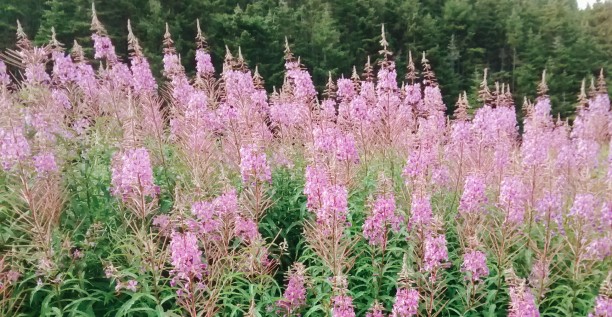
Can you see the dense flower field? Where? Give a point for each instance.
(207, 196)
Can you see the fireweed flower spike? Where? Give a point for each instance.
(343, 306)
(377, 310)
(522, 301)
(132, 175)
(406, 303)
(475, 265)
(294, 296)
(474, 196)
(383, 215)
(253, 165)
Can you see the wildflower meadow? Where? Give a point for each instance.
(203, 194)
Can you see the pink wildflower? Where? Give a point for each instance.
(254, 166)
(475, 265)
(45, 163)
(406, 303)
(343, 306)
(132, 174)
(512, 198)
(474, 196)
(13, 147)
(522, 302)
(186, 257)
(436, 253)
(383, 215)
(603, 307)
(420, 210)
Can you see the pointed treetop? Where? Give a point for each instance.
(288, 54)
(368, 71)
(330, 88)
(168, 42)
(22, 38)
(200, 38)
(601, 83)
(411, 73)
(133, 44)
(428, 74)
(542, 86)
(77, 52)
(583, 101)
(54, 43)
(95, 23)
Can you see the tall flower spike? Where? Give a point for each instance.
(23, 42)
(462, 106)
(411, 73)
(200, 38)
(77, 53)
(542, 86)
(330, 88)
(168, 42)
(583, 101)
(428, 74)
(54, 43)
(133, 44)
(95, 23)
(603, 302)
(601, 83)
(527, 107)
(383, 42)
(484, 94)
(496, 94)
(228, 62)
(592, 90)
(376, 310)
(288, 54)
(368, 71)
(240, 62)
(258, 81)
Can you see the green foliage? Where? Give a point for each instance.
(514, 39)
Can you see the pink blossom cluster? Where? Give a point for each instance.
(406, 303)
(474, 196)
(254, 165)
(186, 258)
(475, 265)
(603, 307)
(14, 147)
(522, 302)
(376, 310)
(295, 294)
(383, 215)
(132, 174)
(435, 252)
(343, 306)
(420, 211)
(333, 141)
(512, 199)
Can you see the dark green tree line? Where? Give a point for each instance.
(514, 39)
